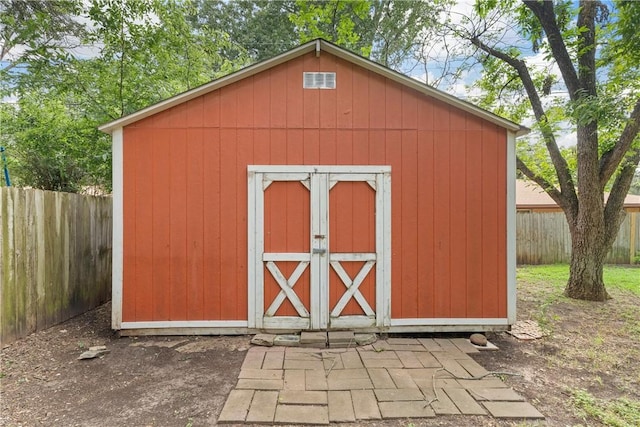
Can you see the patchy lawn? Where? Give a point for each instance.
(586, 371)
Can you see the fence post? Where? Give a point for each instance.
(632, 236)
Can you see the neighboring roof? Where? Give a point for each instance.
(318, 45)
(531, 196)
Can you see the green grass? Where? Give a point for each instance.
(545, 284)
(617, 412)
(556, 276)
(596, 339)
(627, 278)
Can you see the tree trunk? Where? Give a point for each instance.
(589, 249)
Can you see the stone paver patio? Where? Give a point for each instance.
(396, 378)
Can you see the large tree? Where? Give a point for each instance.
(33, 31)
(389, 32)
(260, 28)
(392, 33)
(595, 96)
(133, 54)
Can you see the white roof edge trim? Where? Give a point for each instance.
(298, 51)
(424, 88)
(207, 87)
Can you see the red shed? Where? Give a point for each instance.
(315, 190)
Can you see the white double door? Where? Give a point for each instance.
(319, 247)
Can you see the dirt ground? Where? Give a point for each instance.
(140, 382)
(184, 381)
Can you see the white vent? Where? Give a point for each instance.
(319, 80)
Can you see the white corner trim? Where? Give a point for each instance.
(118, 229)
(511, 227)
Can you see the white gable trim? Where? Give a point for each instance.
(317, 46)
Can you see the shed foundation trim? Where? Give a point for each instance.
(246, 331)
(185, 331)
(441, 324)
(186, 324)
(449, 321)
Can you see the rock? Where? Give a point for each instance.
(313, 339)
(287, 340)
(263, 339)
(94, 352)
(478, 339)
(526, 330)
(365, 339)
(342, 339)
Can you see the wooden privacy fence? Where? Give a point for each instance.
(55, 258)
(543, 238)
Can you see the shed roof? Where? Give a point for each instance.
(318, 45)
(529, 195)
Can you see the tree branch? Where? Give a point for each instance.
(569, 207)
(122, 54)
(543, 10)
(542, 182)
(560, 164)
(611, 159)
(587, 47)
(613, 210)
(505, 85)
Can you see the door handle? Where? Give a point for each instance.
(319, 251)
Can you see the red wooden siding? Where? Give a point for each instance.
(185, 193)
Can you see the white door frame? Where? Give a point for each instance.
(319, 180)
